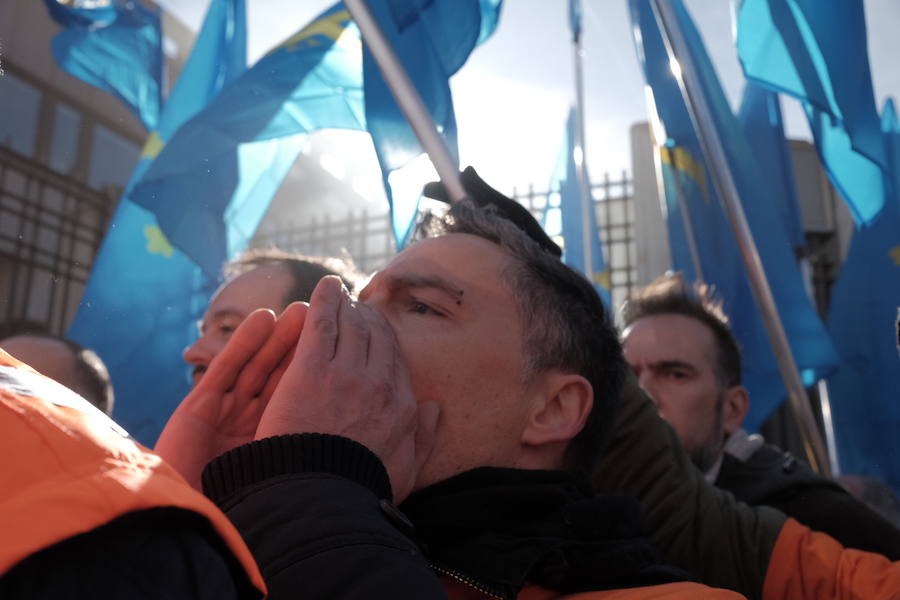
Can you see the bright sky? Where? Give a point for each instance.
(513, 95)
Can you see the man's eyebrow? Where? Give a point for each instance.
(411, 280)
(673, 364)
(220, 314)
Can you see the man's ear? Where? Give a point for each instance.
(561, 410)
(735, 407)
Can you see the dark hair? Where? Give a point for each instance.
(306, 271)
(566, 325)
(91, 376)
(672, 295)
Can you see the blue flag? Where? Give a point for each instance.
(565, 180)
(760, 119)
(685, 173)
(115, 46)
(816, 52)
(864, 305)
(212, 182)
(144, 296)
(433, 39)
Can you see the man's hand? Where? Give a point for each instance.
(348, 378)
(224, 408)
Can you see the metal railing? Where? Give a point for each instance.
(50, 230)
(367, 237)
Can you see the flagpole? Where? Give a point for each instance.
(407, 97)
(588, 217)
(714, 153)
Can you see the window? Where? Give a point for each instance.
(112, 159)
(64, 146)
(19, 122)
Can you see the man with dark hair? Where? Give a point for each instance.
(259, 278)
(71, 364)
(678, 342)
(459, 386)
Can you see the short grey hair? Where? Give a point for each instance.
(566, 325)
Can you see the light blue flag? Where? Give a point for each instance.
(144, 296)
(816, 52)
(565, 180)
(865, 402)
(761, 122)
(433, 39)
(721, 262)
(115, 46)
(212, 182)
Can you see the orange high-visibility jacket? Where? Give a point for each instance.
(67, 469)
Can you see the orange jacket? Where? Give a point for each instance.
(67, 469)
(806, 564)
(669, 591)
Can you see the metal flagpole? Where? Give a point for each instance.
(587, 208)
(825, 403)
(714, 154)
(407, 97)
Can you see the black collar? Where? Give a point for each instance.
(503, 527)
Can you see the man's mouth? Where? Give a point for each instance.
(197, 374)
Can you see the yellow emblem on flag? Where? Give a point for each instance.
(157, 243)
(332, 26)
(685, 162)
(152, 147)
(603, 279)
(895, 254)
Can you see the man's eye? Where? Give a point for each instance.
(421, 308)
(677, 374)
(226, 329)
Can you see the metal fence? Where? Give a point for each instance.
(50, 230)
(367, 237)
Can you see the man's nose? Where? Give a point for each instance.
(200, 353)
(645, 381)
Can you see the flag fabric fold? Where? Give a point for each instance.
(761, 122)
(115, 46)
(684, 172)
(144, 295)
(789, 46)
(213, 180)
(862, 315)
(432, 39)
(564, 182)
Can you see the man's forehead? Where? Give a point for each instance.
(265, 286)
(668, 337)
(452, 251)
(456, 260)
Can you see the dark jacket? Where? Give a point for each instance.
(314, 511)
(773, 477)
(157, 553)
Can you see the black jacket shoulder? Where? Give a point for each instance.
(773, 477)
(315, 512)
(155, 553)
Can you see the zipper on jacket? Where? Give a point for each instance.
(466, 580)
